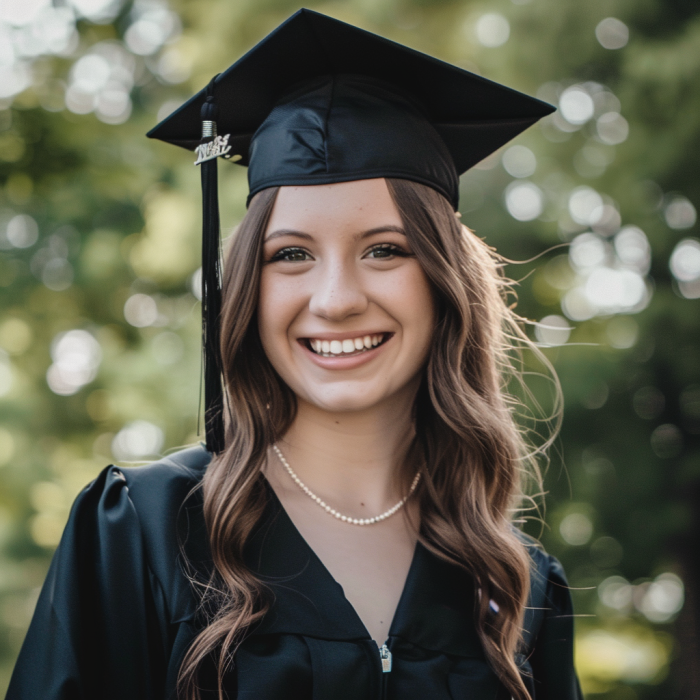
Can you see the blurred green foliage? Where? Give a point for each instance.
(99, 326)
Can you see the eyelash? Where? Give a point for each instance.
(393, 250)
(282, 254)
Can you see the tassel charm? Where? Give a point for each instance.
(212, 146)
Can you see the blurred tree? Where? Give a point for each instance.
(99, 257)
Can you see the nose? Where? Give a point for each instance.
(337, 292)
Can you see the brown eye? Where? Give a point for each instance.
(386, 250)
(291, 255)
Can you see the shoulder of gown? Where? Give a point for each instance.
(115, 609)
(548, 659)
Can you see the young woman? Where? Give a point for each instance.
(352, 536)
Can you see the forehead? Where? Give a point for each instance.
(359, 204)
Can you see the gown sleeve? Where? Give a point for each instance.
(552, 658)
(98, 628)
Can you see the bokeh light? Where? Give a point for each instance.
(57, 274)
(616, 592)
(612, 128)
(615, 291)
(76, 358)
(685, 260)
(680, 213)
(519, 161)
(632, 655)
(552, 330)
(492, 30)
(22, 231)
(576, 105)
(685, 266)
(662, 598)
(667, 441)
(658, 600)
(585, 205)
(524, 200)
(196, 284)
(141, 310)
(576, 529)
(153, 28)
(98, 11)
(588, 251)
(633, 249)
(611, 278)
(137, 440)
(100, 81)
(612, 33)
(21, 12)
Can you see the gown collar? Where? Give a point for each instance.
(435, 610)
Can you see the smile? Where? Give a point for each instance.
(346, 347)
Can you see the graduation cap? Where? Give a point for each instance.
(319, 101)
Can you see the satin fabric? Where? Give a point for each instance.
(117, 612)
(338, 128)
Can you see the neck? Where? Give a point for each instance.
(348, 457)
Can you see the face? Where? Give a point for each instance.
(346, 313)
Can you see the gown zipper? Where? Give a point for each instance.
(385, 656)
(385, 659)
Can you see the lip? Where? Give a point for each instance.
(340, 362)
(348, 335)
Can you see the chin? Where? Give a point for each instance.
(343, 402)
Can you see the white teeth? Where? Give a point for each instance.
(345, 347)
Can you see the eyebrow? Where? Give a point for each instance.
(365, 234)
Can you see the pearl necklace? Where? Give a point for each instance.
(333, 511)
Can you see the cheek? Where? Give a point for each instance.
(278, 304)
(415, 308)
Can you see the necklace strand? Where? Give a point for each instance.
(332, 511)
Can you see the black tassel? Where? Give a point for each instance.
(211, 286)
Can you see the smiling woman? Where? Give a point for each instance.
(350, 529)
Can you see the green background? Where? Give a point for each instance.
(99, 243)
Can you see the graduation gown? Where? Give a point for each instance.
(117, 614)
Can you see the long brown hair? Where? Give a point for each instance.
(474, 453)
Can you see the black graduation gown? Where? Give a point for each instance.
(117, 614)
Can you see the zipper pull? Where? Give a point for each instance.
(385, 656)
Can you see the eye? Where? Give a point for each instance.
(385, 251)
(291, 255)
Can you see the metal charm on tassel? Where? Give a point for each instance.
(211, 147)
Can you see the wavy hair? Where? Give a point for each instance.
(477, 455)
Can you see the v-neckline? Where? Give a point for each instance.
(331, 579)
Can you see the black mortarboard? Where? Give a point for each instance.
(320, 101)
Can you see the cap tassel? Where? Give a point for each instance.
(211, 285)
